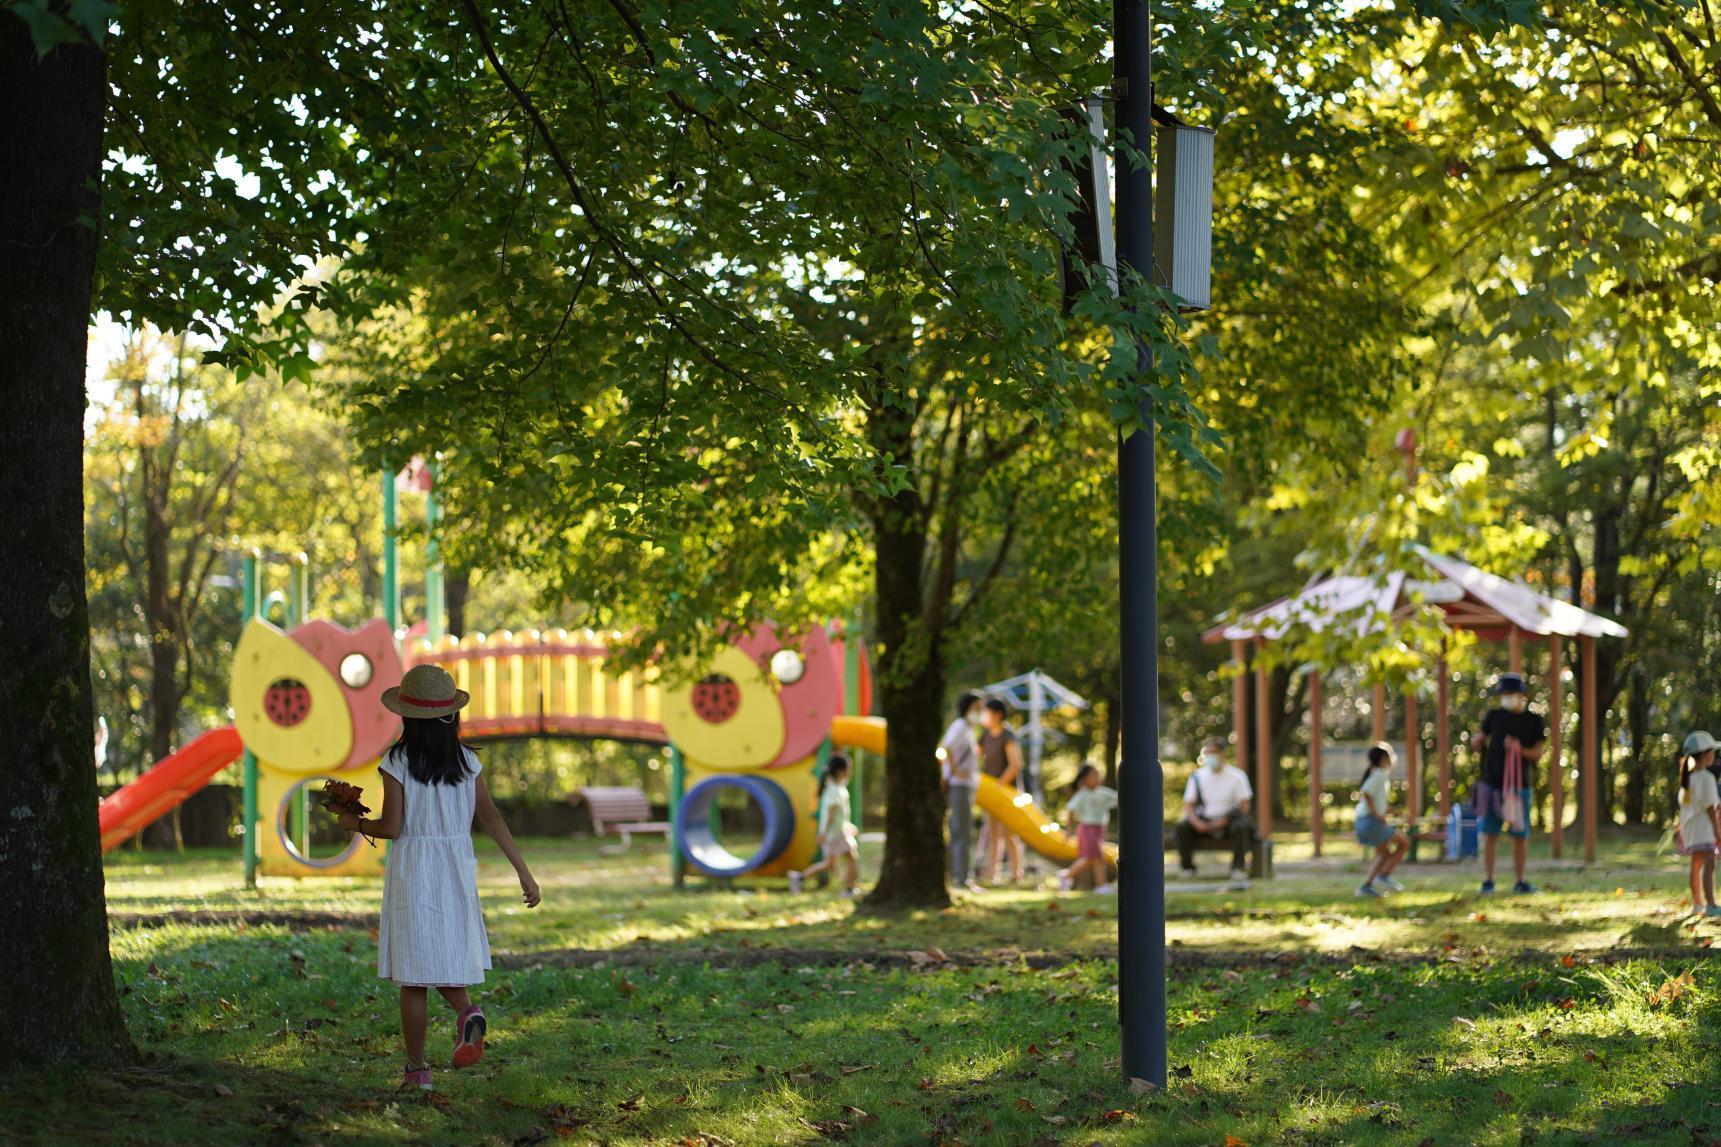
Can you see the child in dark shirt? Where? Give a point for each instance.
(1512, 737)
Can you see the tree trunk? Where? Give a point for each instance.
(50, 852)
(911, 681)
(1637, 726)
(456, 586)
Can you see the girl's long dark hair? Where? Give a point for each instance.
(1088, 769)
(1687, 761)
(432, 748)
(835, 763)
(1378, 758)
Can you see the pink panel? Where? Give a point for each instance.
(374, 728)
(808, 704)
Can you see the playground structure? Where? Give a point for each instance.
(761, 720)
(1492, 607)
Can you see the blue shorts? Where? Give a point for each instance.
(1373, 831)
(1490, 823)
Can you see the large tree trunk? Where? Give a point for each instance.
(456, 587)
(1637, 726)
(911, 681)
(50, 852)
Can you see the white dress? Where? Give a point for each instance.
(432, 933)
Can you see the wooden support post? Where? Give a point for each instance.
(1379, 714)
(1556, 735)
(1589, 717)
(1240, 702)
(1443, 737)
(1263, 746)
(1412, 759)
(1515, 648)
(1316, 809)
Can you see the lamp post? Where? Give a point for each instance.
(1141, 783)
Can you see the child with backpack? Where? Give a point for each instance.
(1699, 819)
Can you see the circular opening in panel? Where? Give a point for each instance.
(309, 832)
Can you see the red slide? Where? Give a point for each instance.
(128, 810)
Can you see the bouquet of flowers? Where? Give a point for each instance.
(341, 798)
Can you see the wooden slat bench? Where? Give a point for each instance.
(620, 812)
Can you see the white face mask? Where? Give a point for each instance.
(1513, 702)
(1213, 761)
(974, 718)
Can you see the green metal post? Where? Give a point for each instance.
(677, 788)
(390, 556)
(851, 705)
(433, 602)
(298, 604)
(248, 806)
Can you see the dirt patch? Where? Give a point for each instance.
(298, 921)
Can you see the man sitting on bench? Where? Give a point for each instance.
(1216, 805)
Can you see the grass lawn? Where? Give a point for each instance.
(623, 1012)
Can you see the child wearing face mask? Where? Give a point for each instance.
(1216, 803)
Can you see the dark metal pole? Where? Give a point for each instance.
(1141, 784)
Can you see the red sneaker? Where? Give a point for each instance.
(469, 1029)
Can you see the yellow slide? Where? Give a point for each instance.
(1014, 808)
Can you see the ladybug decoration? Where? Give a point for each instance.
(287, 702)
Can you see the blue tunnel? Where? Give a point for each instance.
(699, 844)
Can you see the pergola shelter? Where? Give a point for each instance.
(1493, 608)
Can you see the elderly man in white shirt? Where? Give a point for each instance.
(961, 775)
(1216, 804)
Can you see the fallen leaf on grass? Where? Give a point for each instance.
(623, 985)
(1502, 1099)
(863, 1118)
(800, 1078)
(1233, 1141)
(856, 1069)
(1141, 1087)
(1053, 906)
(1024, 1104)
(223, 1090)
(929, 956)
(1055, 1120)
(631, 1104)
(1568, 961)
(1306, 1004)
(1675, 987)
(834, 1128)
(1463, 1021)
(1032, 1050)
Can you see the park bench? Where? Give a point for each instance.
(1260, 853)
(620, 812)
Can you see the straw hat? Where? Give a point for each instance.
(425, 691)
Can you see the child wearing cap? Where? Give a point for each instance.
(1511, 737)
(1699, 819)
(431, 934)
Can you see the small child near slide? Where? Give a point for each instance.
(836, 828)
(432, 930)
(1089, 810)
(1699, 819)
(1373, 830)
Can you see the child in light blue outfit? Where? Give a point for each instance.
(1372, 828)
(837, 836)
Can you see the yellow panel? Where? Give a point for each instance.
(504, 664)
(273, 786)
(802, 786)
(749, 739)
(323, 738)
(599, 688)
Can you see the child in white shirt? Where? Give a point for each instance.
(1089, 810)
(1699, 819)
(836, 829)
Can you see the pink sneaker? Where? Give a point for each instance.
(418, 1077)
(469, 1029)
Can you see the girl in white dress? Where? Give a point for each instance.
(836, 828)
(432, 933)
(1699, 819)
